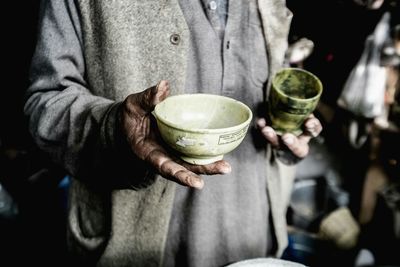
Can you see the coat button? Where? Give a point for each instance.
(212, 5)
(175, 39)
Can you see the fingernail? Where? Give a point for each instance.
(261, 123)
(197, 183)
(226, 169)
(288, 139)
(164, 84)
(310, 124)
(154, 89)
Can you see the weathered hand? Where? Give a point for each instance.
(298, 145)
(140, 133)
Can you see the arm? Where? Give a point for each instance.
(65, 119)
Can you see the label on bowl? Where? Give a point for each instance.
(232, 137)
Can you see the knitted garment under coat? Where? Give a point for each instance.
(228, 220)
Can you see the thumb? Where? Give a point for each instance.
(141, 104)
(150, 97)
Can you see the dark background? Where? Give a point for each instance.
(35, 233)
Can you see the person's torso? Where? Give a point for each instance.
(129, 46)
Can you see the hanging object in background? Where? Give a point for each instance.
(299, 51)
(364, 90)
(370, 4)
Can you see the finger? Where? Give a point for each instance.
(261, 123)
(270, 134)
(162, 92)
(312, 126)
(298, 146)
(173, 171)
(218, 167)
(149, 98)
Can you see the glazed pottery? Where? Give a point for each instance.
(202, 127)
(294, 95)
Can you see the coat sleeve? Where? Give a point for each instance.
(78, 129)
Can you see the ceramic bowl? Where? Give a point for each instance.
(202, 127)
(266, 262)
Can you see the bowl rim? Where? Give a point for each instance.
(295, 69)
(201, 130)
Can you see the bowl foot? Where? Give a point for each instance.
(201, 161)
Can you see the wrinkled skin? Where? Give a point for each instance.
(298, 145)
(143, 141)
(141, 135)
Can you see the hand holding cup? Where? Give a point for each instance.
(290, 123)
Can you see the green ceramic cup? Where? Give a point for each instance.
(294, 95)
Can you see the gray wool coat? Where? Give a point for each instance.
(123, 221)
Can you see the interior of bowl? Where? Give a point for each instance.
(202, 111)
(297, 83)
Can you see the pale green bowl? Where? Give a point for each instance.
(202, 127)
